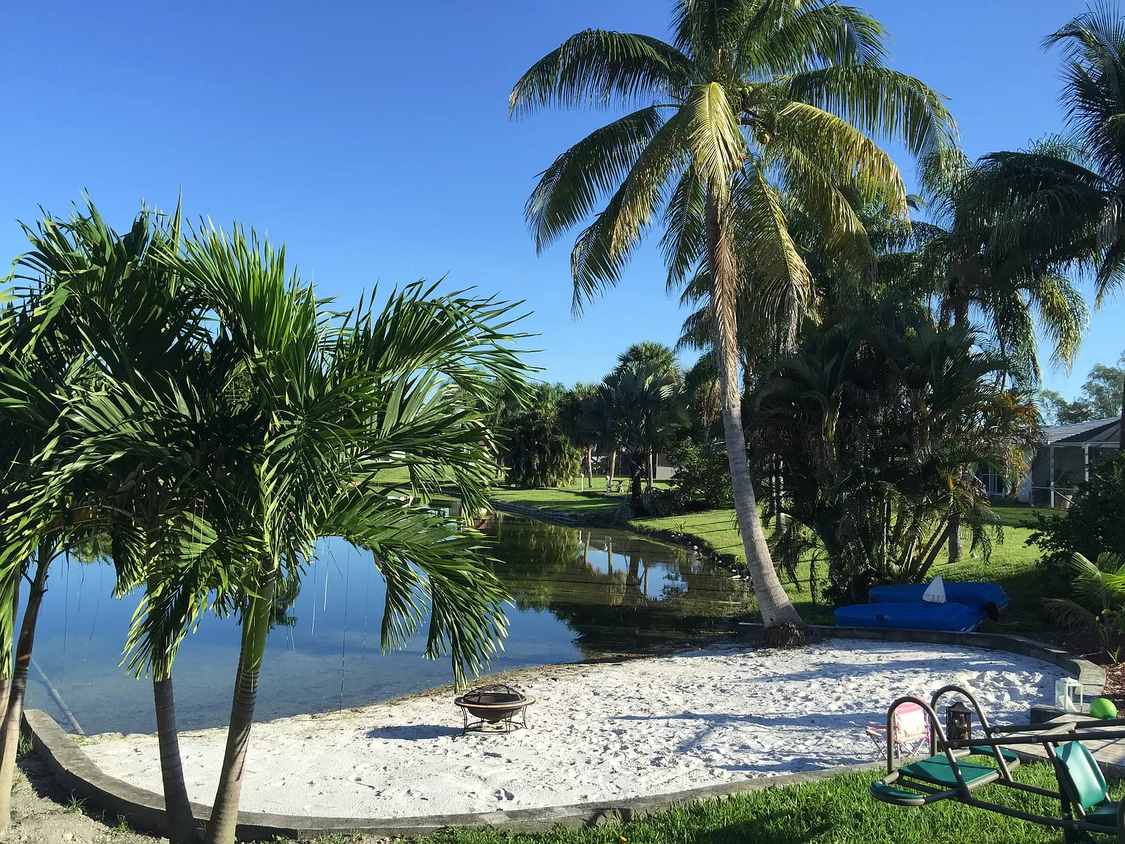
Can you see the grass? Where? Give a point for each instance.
(832, 811)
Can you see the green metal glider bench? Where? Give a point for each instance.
(1085, 806)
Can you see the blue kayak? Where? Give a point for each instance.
(912, 616)
(973, 592)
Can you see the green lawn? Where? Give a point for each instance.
(833, 811)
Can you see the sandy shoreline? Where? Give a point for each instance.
(639, 727)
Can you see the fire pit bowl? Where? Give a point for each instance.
(495, 705)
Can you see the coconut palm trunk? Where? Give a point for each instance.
(181, 823)
(224, 812)
(18, 686)
(590, 465)
(783, 623)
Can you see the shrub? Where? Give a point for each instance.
(1098, 602)
(1094, 524)
(702, 479)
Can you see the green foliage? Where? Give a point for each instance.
(1100, 397)
(540, 435)
(1098, 602)
(539, 454)
(702, 479)
(635, 411)
(1093, 525)
(875, 419)
(1064, 191)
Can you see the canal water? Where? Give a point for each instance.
(577, 593)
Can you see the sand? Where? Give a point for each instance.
(596, 732)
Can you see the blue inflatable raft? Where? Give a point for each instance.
(912, 616)
(973, 592)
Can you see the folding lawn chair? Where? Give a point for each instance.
(909, 731)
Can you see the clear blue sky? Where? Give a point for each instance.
(373, 138)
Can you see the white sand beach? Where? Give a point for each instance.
(601, 731)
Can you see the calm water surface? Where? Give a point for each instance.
(577, 593)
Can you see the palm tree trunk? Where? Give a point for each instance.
(777, 610)
(635, 486)
(612, 464)
(224, 813)
(590, 465)
(181, 822)
(956, 543)
(18, 686)
(651, 468)
(6, 668)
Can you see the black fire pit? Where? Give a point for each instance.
(493, 708)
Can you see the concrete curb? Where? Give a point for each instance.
(145, 809)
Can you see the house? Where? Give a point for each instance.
(1063, 459)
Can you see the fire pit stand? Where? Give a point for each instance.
(493, 709)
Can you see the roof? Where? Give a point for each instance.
(1094, 431)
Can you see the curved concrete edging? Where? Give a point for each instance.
(144, 809)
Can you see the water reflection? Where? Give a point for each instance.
(577, 592)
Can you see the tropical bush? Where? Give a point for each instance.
(1098, 600)
(874, 419)
(537, 452)
(1093, 525)
(538, 435)
(701, 481)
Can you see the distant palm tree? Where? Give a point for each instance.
(572, 417)
(635, 411)
(753, 98)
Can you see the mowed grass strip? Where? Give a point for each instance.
(838, 810)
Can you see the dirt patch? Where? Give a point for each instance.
(44, 812)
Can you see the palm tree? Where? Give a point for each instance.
(754, 98)
(572, 412)
(1098, 602)
(636, 409)
(138, 338)
(40, 513)
(331, 403)
(1066, 192)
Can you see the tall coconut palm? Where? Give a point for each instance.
(334, 402)
(752, 97)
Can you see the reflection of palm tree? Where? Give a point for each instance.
(548, 567)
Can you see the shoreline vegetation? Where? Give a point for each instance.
(714, 533)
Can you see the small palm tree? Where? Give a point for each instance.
(331, 402)
(636, 409)
(134, 336)
(755, 98)
(1098, 602)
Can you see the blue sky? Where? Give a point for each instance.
(373, 138)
